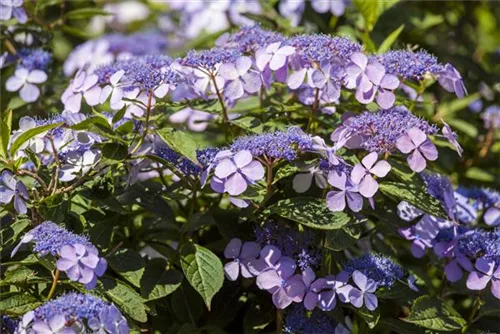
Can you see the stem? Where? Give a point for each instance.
(475, 309)
(269, 177)
(223, 105)
(54, 284)
(115, 249)
(279, 321)
(34, 176)
(146, 124)
(313, 110)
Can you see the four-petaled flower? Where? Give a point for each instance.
(451, 80)
(236, 173)
(82, 264)
(12, 7)
(484, 273)
(420, 148)
(55, 325)
(85, 85)
(362, 174)
(364, 294)
(241, 254)
(24, 80)
(274, 54)
(78, 163)
(11, 188)
(115, 90)
(335, 286)
(336, 199)
(239, 78)
(370, 79)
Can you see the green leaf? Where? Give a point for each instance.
(17, 303)
(5, 130)
(415, 194)
(311, 212)
(22, 275)
(128, 264)
(370, 10)
(76, 32)
(398, 326)
(370, 317)
(342, 238)
(114, 151)
(249, 123)
(203, 270)
(180, 142)
(479, 174)
(463, 126)
(125, 297)
(54, 208)
(389, 41)
(27, 135)
(10, 233)
(84, 13)
(158, 282)
(436, 314)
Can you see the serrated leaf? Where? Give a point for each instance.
(17, 303)
(389, 41)
(128, 264)
(203, 270)
(436, 314)
(27, 135)
(129, 301)
(158, 282)
(415, 194)
(180, 142)
(311, 212)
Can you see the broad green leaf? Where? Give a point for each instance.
(128, 264)
(398, 326)
(249, 123)
(370, 317)
(180, 142)
(389, 41)
(10, 233)
(129, 301)
(158, 282)
(114, 151)
(27, 135)
(342, 238)
(5, 130)
(203, 270)
(436, 314)
(96, 120)
(311, 212)
(22, 275)
(76, 32)
(17, 303)
(370, 10)
(54, 208)
(85, 13)
(415, 194)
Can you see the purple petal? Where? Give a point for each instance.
(310, 301)
(92, 96)
(356, 298)
(20, 205)
(308, 276)
(368, 186)
(277, 62)
(417, 136)
(235, 185)
(338, 180)
(229, 72)
(485, 266)
(268, 280)
(477, 280)
(251, 82)
(232, 270)
(233, 248)
(428, 150)
(369, 160)
(327, 300)
(14, 83)
(37, 76)
(492, 217)
(254, 171)
(381, 168)
(360, 279)
(250, 250)
(354, 201)
(335, 200)
(6, 195)
(286, 267)
(234, 90)
(418, 248)
(358, 172)
(29, 93)
(302, 182)
(225, 168)
(416, 161)
(371, 301)
(242, 158)
(389, 81)
(385, 99)
(359, 59)
(281, 299)
(405, 144)
(296, 78)
(270, 254)
(453, 272)
(495, 288)
(375, 72)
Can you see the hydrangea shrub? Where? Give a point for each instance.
(248, 166)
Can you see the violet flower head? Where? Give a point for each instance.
(250, 38)
(364, 293)
(9, 8)
(24, 81)
(240, 79)
(347, 191)
(419, 147)
(240, 254)
(370, 79)
(382, 270)
(210, 59)
(34, 59)
(234, 174)
(72, 312)
(409, 64)
(451, 80)
(361, 174)
(10, 189)
(491, 117)
(297, 320)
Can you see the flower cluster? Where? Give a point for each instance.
(74, 313)
(297, 320)
(77, 257)
(276, 273)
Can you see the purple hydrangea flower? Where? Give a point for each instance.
(275, 56)
(234, 174)
(370, 79)
(335, 287)
(451, 80)
(452, 138)
(110, 320)
(240, 79)
(241, 254)
(54, 325)
(364, 294)
(313, 287)
(420, 148)
(12, 189)
(361, 174)
(491, 117)
(115, 90)
(84, 84)
(12, 7)
(336, 199)
(34, 59)
(249, 39)
(77, 163)
(378, 268)
(336, 7)
(409, 64)
(485, 272)
(81, 263)
(24, 81)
